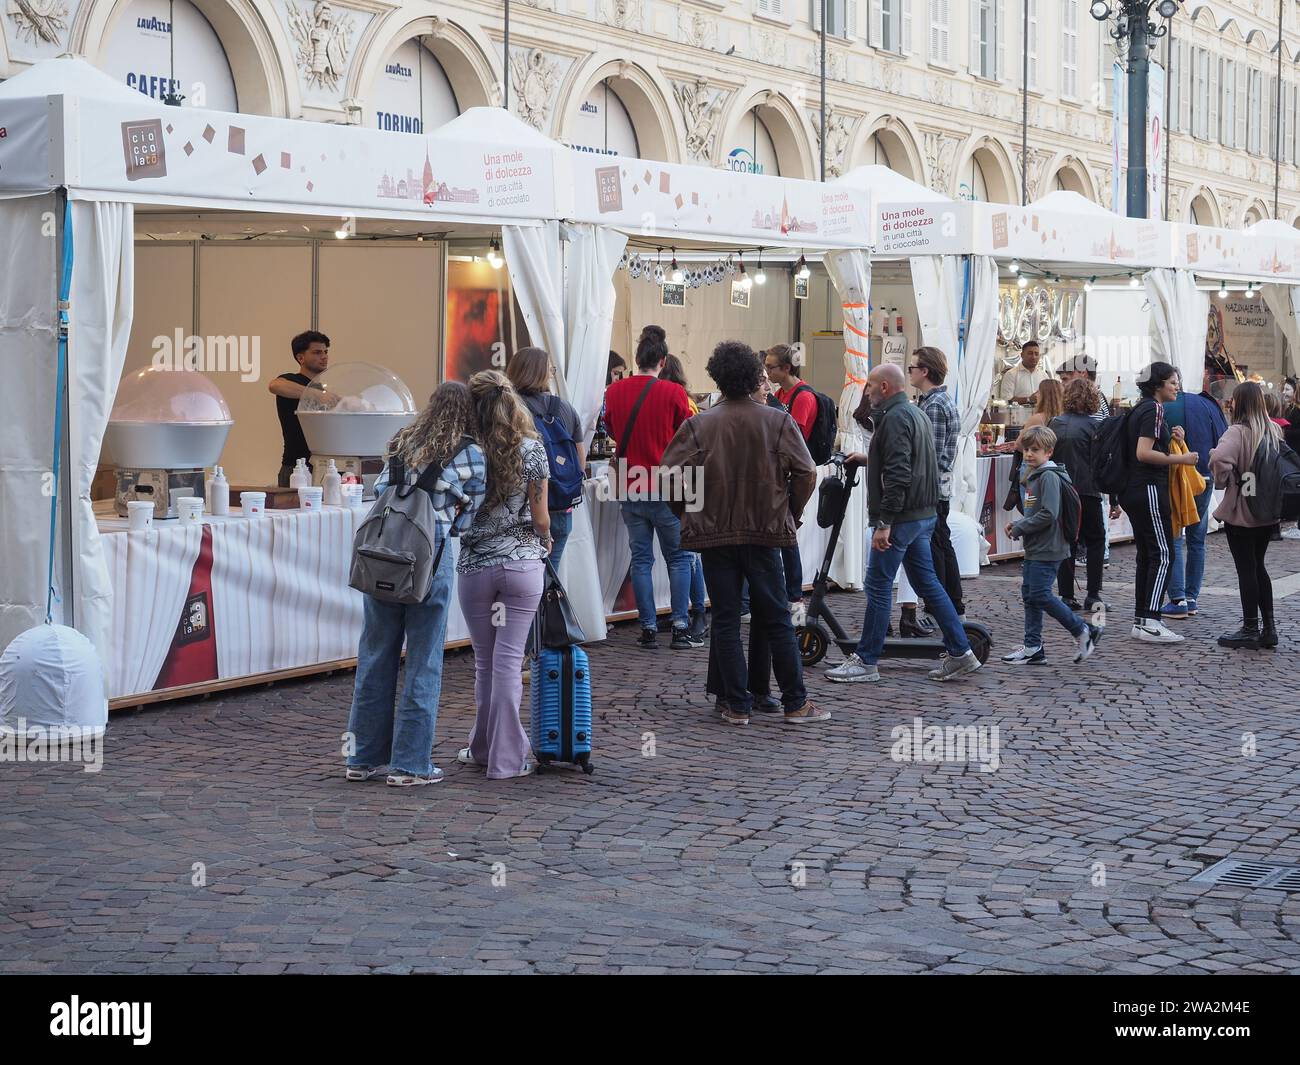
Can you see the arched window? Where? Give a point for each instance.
(412, 94)
(165, 51)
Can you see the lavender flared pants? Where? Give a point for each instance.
(499, 604)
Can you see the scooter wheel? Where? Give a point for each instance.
(813, 641)
(979, 643)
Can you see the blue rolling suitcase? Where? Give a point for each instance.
(560, 721)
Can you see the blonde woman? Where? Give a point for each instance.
(1049, 403)
(1248, 537)
(401, 736)
(501, 573)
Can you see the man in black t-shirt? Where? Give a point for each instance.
(312, 352)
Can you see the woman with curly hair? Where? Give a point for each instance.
(401, 736)
(501, 573)
(1076, 430)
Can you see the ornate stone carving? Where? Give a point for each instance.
(533, 81)
(940, 153)
(939, 91)
(323, 44)
(39, 20)
(986, 102)
(698, 29)
(1103, 186)
(835, 64)
(1038, 160)
(838, 136)
(701, 108)
(624, 14)
(890, 78)
(769, 48)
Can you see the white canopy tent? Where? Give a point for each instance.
(79, 153)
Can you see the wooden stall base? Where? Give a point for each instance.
(188, 691)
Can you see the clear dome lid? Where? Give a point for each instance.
(357, 388)
(162, 396)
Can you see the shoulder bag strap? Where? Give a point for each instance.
(626, 436)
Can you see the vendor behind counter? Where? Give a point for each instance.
(311, 350)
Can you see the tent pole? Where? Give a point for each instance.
(65, 485)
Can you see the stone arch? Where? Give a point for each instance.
(784, 125)
(641, 96)
(254, 38)
(1070, 172)
(463, 61)
(1255, 211)
(986, 161)
(890, 141)
(1203, 208)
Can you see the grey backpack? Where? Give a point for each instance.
(393, 556)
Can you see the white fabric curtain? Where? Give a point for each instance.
(850, 271)
(1179, 312)
(103, 285)
(1284, 304)
(562, 276)
(29, 349)
(942, 284)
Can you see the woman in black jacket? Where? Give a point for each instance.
(1075, 430)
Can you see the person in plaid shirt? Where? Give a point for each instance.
(400, 736)
(927, 371)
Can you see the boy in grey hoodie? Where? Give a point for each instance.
(1043, 485)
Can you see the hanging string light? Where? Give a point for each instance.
(675, 272)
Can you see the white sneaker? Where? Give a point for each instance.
(1023, 654)
(1154, 632)
(951, 668)
(853, 671)
(1291, 534)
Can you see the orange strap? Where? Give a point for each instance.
(855, 351)
(854, 306)
(854, 329)
(856, 380)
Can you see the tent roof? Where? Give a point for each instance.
(885, 185)
(1072, 203)
(493, 124)
(1271, 227)
(68, 75)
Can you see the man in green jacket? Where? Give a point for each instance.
(902, 495)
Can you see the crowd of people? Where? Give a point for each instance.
(732, 553)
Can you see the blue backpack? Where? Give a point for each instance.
(565, 489)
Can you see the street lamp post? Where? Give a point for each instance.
(1133, 22)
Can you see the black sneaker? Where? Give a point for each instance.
(699, 624)
(1073, 604)
(767, 704)
(648, 639)
(684, 641)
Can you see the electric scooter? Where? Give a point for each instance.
(820, 625)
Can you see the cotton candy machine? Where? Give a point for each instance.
(349, 414)
(165, 428)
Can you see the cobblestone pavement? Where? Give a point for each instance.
(1130, 766)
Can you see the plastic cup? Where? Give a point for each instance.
(312, 498)
(139, 515)
(353, 494)
(253, 504)
(190, 510)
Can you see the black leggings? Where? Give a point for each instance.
(1147, 507)
(1248, 545)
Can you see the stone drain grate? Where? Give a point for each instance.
(1236, 872)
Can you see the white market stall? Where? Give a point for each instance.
(959, 249)
(81, 160)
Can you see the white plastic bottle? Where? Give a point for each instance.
(332, 483)
(219, 493)
(301, 476)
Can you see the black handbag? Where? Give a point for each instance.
(555, 625)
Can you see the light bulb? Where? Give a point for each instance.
(495, 260)
(1133, 281)
(760, 276)
(341, 234)
(1014, 267)
(1087, 285)
(675, 274)
(1022, 281)
(1223, 291)
(746, 282)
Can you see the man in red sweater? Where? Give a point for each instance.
(643, 413)
(800, 402)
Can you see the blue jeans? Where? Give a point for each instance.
(1188, 566)
(909, 546)
(1036, 591)
(697, 582)
(400, 736)
(561, 526)
(645, 519)
(792, 563)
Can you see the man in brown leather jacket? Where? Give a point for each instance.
(753, 475)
